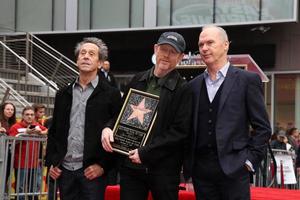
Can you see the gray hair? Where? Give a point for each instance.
(103, 50)
(222, 32)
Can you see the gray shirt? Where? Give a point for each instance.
(74, 157)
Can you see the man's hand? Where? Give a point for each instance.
(2, 129)
(30, 131)
(134, 156)
(93, 171)
(35, 130)
(248, 168)
(54, 172)
(106, 138)
(298, 171)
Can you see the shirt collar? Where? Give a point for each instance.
(169, 81)
(94, 82)
(159, 81)
(151, 75)
(222, 72)
(103, 71)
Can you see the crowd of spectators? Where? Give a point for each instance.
(288, 139)
(26, 172)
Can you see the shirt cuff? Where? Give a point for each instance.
(249, 164)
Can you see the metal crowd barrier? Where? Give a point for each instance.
(30, 182)
(22, 169)
(267, 174)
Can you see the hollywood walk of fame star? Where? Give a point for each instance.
(139, 111)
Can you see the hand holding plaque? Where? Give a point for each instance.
(135, 121)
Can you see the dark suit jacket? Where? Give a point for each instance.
(102, 105)
(298, 158)
(110, 78)
(164, 151)
(241, 104)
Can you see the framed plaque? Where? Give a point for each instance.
(135, 121)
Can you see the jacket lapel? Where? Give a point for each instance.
(69, 88)
(100, 87)
(166, 91)
(197, 86)
(228, 83)
(143, 81)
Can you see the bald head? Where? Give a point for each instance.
(213, 46)
(221, 32)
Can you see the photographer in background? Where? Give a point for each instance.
(281, 141)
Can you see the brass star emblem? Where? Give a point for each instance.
(139, 111)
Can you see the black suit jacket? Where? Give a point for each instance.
(110, 78)
(241, 104)
(102, 105)
(163, 153)
(298, 158)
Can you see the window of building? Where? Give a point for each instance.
(7, 16)
(278, 10)
(287, 100)
(110, 14)
(34, 15)
(59, 14)
(201, 12)
(232, 11)
(191, 12)
(102, 14)
(268, 95)
(137, 13)
(163, 12)
(83, 22)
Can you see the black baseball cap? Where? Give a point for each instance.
(174, 39)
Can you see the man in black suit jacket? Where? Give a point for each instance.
(227, 100)
(105, 72)
(156, 166)
(82, 109)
